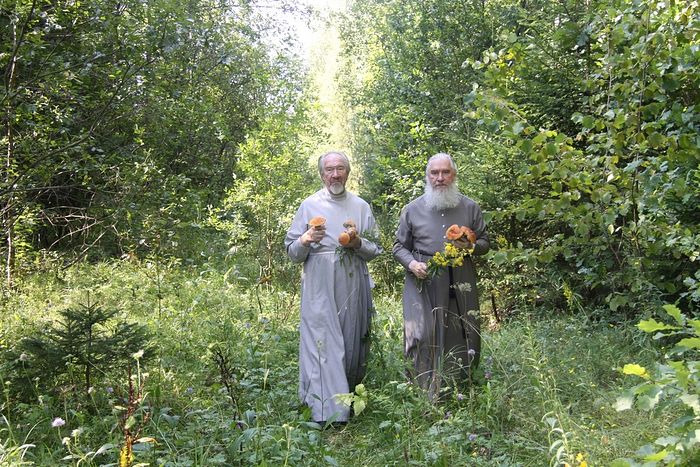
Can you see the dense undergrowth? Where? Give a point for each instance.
(220, 386)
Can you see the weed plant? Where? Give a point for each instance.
(222, 388)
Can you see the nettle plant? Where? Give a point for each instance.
(672, 383)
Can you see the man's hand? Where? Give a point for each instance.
(463, 244)
(355, 243)
(418, 268)
(313, 235)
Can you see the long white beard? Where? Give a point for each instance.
(336, 188)
(443, 197)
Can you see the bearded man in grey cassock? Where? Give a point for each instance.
(441, 314)
(336, 301)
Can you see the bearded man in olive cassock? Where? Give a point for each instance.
(441, 314)
(336, 301)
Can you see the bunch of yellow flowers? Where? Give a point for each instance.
(452, 256)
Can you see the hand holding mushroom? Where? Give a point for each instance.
(350, 238)
(316, 232)
(462, 237)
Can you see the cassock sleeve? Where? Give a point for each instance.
(482, 245)
(296, 251)
(403, 244)
(369, 248)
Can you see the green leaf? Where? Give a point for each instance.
(617, 301)
(658, 456)
(358, 406)
(500, 257)
(675, 313)
(620, 120)
(130, 422)
(525, 145)
(695, 324)
(690, 343)
(588, 122)
(692, 401)
(634, 369)
(682, 373)
(656, 140)
(651, 325)
(651, 399)
(667, 440)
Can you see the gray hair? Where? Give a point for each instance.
(337, 153)
(440, 156)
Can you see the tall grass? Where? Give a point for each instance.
(543, 394)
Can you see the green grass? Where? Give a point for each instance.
(542, 396)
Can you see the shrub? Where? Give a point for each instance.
(672, 383)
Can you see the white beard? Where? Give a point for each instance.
(441, 198)
(336, 188)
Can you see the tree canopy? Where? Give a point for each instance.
(138, 127)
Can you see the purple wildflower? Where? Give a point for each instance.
(58, 422)
(460, 396)
(472, 437)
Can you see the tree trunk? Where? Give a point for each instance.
(7, 218)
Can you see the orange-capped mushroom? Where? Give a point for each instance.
(344, 238)
(453, 232)
(347, 236)
(469, 233)
(317, 221)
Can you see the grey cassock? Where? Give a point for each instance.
(336, 302)
(440, 330)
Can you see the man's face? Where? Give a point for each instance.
(334, 174)
(440, 174)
